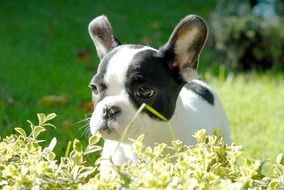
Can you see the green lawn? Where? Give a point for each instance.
(254, 103)
(45, 50)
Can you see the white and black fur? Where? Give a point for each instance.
(129, 75)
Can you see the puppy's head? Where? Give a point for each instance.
(129, 75)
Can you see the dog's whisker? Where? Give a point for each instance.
(83, 127)
(82, 121)
(86, 132)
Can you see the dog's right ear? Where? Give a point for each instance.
(185, 45)
(100, 31)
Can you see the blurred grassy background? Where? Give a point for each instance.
(47, 60)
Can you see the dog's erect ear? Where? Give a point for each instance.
(185, 45)
(101, 33)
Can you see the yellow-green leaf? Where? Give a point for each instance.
(77, 157)
(280, 159)
(92, 149)
(94, 139)
(50, 116)
(41, 118)
(37, 130)
(77, 146)
(21, 131)
(200, 136)
(49, 125)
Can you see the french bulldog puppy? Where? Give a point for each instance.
(130, 75)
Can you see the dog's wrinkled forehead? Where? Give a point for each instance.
(113, 68)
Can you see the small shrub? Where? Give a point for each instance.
(210, 164)
(246, 40)
(24, 164)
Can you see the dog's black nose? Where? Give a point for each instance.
(111, 112)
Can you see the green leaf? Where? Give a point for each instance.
(74, 173)
(11, 170)
(41, 118)
(31, 124)
(21, 131)
(126, 178)
(140, 138)
(77, 157)
(3, 183)
(272, 185)
(86, 172)
(280, 159)
(51, 156)
(49, 125)
(37, 130)
(50, 116)
(94, 139)
(200, 136)
(92, 149)
(77, 146)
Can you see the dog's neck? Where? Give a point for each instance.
(168, 129)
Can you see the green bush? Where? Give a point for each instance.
(24, 164)
(248, 41)
(210, 164)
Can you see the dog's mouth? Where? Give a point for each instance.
(107, 130)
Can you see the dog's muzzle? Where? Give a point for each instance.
(110, 113)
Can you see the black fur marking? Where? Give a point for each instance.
(202, 91)
(150, 69)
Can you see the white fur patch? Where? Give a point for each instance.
(118, 65)
(188, 74)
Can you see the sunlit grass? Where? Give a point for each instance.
(255, 107)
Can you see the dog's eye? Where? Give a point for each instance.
(94, 88)
(145, 92)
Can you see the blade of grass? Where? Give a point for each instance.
(68, 149)
(122, 138)
(141, 108)
(155, 112)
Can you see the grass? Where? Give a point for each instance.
(254, 103)
(45, 50)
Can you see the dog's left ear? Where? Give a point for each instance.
(184, 46)
(101, 33)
